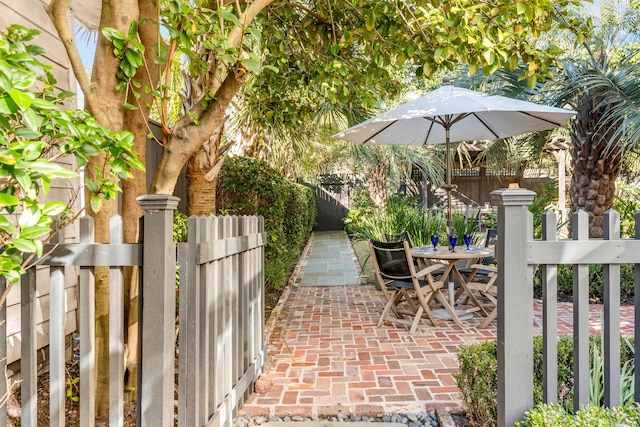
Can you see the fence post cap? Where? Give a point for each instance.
(512, 196)
(155, 202)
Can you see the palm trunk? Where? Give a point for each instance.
(596, 163)
(202, 175)
(377, 182)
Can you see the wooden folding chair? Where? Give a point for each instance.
(482, 279)
(402, 282)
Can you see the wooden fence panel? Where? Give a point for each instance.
(548, 253)
(220, 314)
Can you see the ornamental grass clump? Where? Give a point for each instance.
(478, 383)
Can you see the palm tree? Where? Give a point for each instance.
(601, 82)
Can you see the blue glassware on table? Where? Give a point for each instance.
(453, 241)
(434, 241)
(467, 240)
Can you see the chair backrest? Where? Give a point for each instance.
(391, 259)
(490, 242)
(399, 237)
(491, 237)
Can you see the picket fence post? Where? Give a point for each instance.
(157, 312)
(515, 306)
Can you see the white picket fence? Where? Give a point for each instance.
(220, 338)
(517, 254)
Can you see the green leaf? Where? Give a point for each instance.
(112, 34)
(91, 186)
(25, 245)
(7, 200)
(252, 65)
(7, 226)
(23, 178)
(54, 208)
(8, 105)
(22, 99)
(29, 217)
(228, 15)
(96, 203)
(33, 150)
(54, 169)
(43, 104)
(34, 232)
(34, 120)
(27, 133)
(370, 21)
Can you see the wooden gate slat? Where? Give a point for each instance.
(28, 347)
(116, 332)
(550, 315)
(56, 347)
(581, 316)
(4, 390)
(87, 301)
(611, 327)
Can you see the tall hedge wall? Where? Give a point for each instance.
(248, 186)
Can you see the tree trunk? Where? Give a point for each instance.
(119, 15)
(596, 164)
(188, 137)
(377, 182)
(202, 175)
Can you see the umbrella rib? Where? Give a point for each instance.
(486, 125)
(377, 133)
(428, 132)
(540, 118)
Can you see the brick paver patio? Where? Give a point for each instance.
(325, 355)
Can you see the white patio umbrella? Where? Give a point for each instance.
(451, 114)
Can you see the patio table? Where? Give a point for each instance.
(450, 258)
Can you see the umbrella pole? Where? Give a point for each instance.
(448, 185)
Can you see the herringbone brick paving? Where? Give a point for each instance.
(325, 355)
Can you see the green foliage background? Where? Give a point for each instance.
(249, 186)
(478, 381)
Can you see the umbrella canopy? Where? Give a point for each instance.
(469, 115)
(451, 114)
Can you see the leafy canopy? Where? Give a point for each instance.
(35, 133)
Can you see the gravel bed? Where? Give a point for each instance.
(421, 419)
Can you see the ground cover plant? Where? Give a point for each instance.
(590, 416)
(478, 382)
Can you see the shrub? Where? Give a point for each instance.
(557, 416)
(249, 186)
(406, 213)
(596, 281)
(478, 383)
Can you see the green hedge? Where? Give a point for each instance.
(477, 378)
(590, 416)
(596, 280)
(249, 186)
